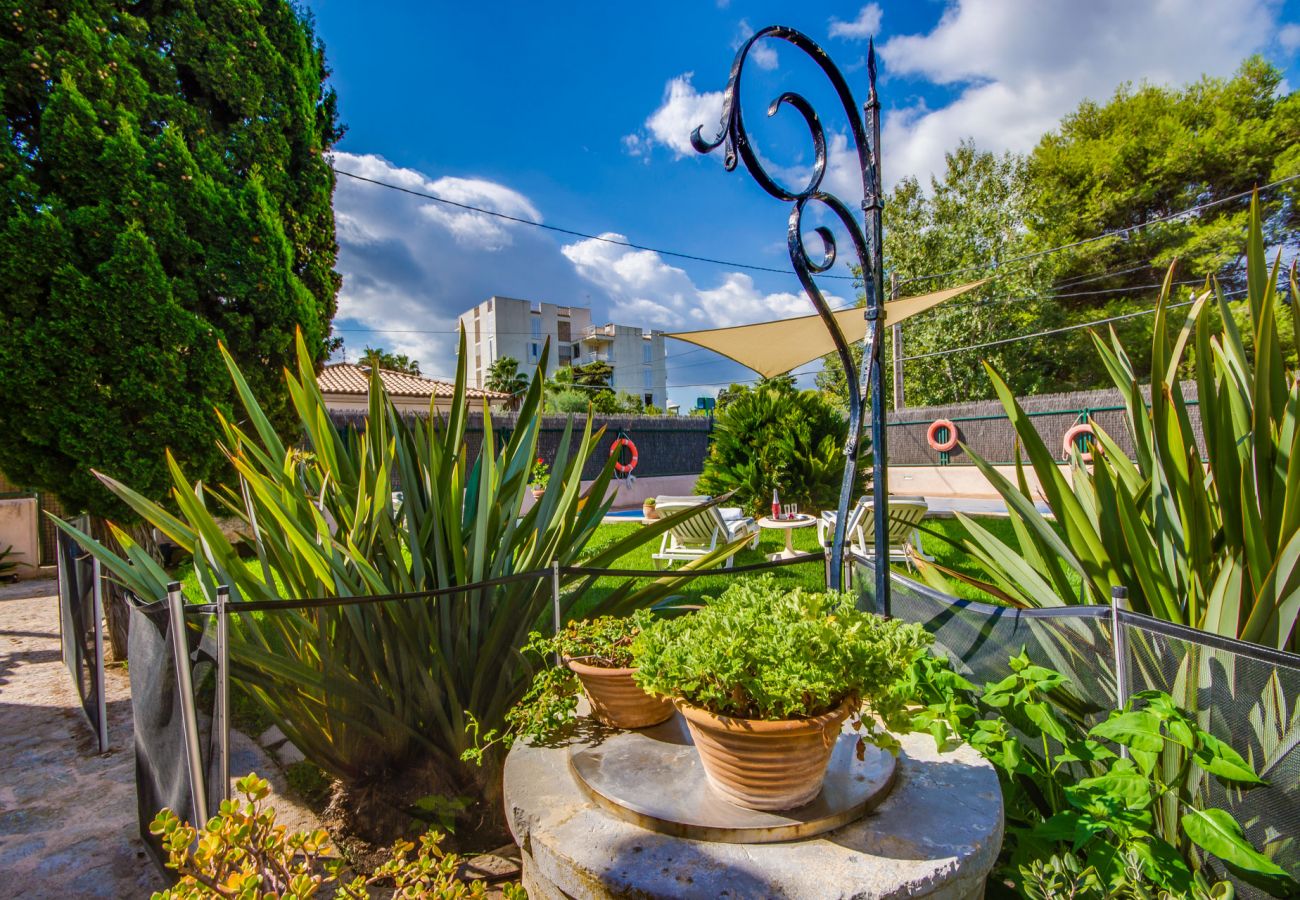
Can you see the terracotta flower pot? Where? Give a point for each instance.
(537, 493)
(649, 512)
(616, 699)
(765, 765)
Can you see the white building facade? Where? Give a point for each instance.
(505, 326)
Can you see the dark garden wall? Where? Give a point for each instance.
(985, 428)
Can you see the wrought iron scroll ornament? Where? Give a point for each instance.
(868, 383)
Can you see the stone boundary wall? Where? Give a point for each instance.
(666, 445)
(985, 428)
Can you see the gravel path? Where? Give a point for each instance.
(68, 814)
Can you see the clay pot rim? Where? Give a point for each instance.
(735, 724)
(581, 668)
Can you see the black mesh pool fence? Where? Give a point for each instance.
(1246, 695)
(162, 750)
(81, 630)
(164, 740)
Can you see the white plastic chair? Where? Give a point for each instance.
(905, 513)
(699, 535)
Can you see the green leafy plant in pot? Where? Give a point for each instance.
(591, 657)
(765, 678)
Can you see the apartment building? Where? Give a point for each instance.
(505, 326)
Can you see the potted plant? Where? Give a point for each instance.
(765, 678)
(594, 655)
(540, 478)
(648, 508)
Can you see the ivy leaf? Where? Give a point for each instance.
(1217, 832)
(1041, 715)
(1123, 783)
(1136, 730)
(1220, 760)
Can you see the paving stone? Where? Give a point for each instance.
(68, 814)
(272, 737)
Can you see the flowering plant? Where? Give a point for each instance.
(541, 474)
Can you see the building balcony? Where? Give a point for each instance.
(598, 333)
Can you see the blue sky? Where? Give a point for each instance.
(580, 119)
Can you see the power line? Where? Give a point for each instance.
(1101, 237)
(573, 232)
(1049, 332)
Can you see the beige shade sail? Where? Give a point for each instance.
(774, 348)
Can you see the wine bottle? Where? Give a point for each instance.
(776, 505)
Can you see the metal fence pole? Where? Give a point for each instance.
(189, 714)
(555, 602)
(98, 615)
(223, 690)
(1119, 640)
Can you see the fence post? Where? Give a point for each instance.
(555, 601)
(1118, 601)
(98, 613)
(189, 716)
(223, 690)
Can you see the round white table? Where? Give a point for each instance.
(801, 520)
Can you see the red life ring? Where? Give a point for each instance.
(627, 467)
(1068, 442)
(934, 442)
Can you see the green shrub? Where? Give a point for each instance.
(774, 437)
(1109, 811)
(760, 651)
(242, 852)
(552, 699)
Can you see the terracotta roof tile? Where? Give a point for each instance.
(347, 378)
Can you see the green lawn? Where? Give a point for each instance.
(810, 575)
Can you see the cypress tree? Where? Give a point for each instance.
(163, 187)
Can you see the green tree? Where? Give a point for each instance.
(595, 374)
(1147, 152)
(770, 437)
(972, 217)
(164, 188)
(380, 358)
(729, 395)
(503, 375)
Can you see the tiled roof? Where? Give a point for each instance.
(346, 378)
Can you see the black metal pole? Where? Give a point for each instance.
(873, 206)
(738, 148)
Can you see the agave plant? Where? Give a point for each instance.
(1206, 542)
(362, 689)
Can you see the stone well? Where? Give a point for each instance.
(931, 827)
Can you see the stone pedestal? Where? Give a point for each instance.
(936, 835)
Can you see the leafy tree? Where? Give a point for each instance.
(774, 438)
(971, 217)
(728, 395)
(568, 400)
(784, 382)
(503, 375)
(1146, 153)
(596, 374)
(164, 188)
(380, 358)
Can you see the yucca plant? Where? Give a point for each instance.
(1206, 542)
(365, 689)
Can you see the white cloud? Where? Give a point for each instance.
(1289, 37)
(864, 26)
(762, 53)
(411, 266)
(643, 289)
(1022, 64)
(682, 110)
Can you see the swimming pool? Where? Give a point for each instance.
(625, 514)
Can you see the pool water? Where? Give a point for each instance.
(624, 514)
